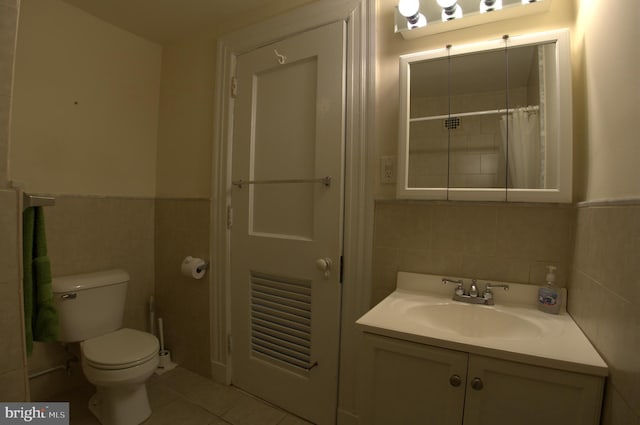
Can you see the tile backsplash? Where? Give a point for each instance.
(496, 241)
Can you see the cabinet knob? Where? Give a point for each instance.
(476, 384)
(455, 381)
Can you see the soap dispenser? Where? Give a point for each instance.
(549, 296)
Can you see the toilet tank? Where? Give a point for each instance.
(90, 304)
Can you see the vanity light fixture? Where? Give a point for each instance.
(450, 10)
(490, 5)
(410, 9)
(411, 16)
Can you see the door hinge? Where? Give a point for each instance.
(341, 267)
(234, 87)
(229, 343)
(229, 217)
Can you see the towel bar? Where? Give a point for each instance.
(29, 200)
(324, 180)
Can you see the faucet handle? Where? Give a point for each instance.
(459, 288)
(488, 289)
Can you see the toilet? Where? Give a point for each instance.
(117, 360)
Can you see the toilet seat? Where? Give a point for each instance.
(120, 349)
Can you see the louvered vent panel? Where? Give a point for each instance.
(281, 320)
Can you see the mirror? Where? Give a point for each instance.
(490, 121)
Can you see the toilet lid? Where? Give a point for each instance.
(120, 349)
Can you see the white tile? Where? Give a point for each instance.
(181, 412)
(250, 411)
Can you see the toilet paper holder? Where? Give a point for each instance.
(203, 267)
(194, 267)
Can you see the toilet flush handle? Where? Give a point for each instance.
(69, 296)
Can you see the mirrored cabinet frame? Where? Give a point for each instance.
(558, 127)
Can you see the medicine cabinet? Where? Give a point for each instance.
(490, 121)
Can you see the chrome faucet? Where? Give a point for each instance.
(473, 296)
(473, 290)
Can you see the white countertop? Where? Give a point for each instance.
(556, 343)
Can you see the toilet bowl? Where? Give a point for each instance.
(117, 360)
(118, 364)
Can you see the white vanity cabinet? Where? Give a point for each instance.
(409, 383)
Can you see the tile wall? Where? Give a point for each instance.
(466, 152)
(182, 229)
(148, 238)
(87, 234)
(13, 384)
(493, 241)
(605, 300)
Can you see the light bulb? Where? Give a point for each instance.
(451, 12)
(490, 5)
(420, 21)
(409, 8)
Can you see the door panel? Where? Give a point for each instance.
(529, 395)
(411, 384)
(285, 210)
(288, 125)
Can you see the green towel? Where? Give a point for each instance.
(41, 317)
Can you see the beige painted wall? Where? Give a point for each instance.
(390, 46)
(8, 25)
(185, 136)
(85, 112)
(606, 38)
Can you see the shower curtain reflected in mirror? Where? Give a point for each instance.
(520, 129)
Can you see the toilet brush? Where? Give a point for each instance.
(161, 333)
(152, 314)
(164, 363)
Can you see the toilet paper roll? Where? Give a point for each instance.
(193, 267)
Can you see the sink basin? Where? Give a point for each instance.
(473, 321)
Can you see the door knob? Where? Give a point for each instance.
(324, 265)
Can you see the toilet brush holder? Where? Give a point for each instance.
(164, 362)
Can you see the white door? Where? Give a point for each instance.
(286, 236)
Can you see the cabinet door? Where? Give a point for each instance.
(406, 383)
(502, 392)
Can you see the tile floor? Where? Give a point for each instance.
(181, 397)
